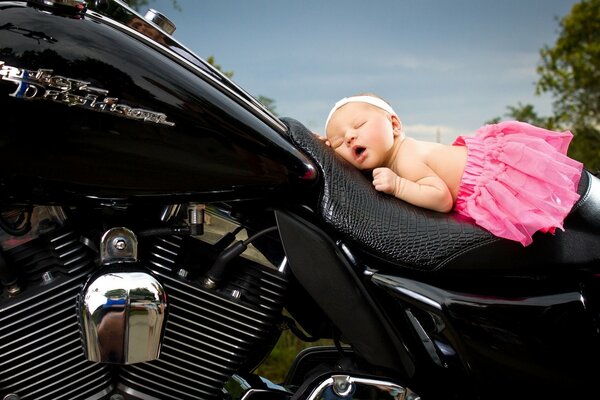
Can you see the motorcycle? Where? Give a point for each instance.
(160, 228)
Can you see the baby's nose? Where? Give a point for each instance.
(350, 135)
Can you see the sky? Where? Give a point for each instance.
(446, 66)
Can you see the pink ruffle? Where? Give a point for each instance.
(518, 179)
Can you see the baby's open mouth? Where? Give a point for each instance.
(358, 151)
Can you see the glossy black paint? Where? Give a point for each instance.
(539, 336)
(219, 148)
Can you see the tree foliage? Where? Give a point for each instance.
(526, 113)
(211, 61)
(585, 147)
(570, 70)
(268, 102)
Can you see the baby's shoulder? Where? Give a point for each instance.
(411, 154)
(431, 153)
(424, 148)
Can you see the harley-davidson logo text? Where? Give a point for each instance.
(43, 85)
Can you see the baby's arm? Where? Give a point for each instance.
(428, 192)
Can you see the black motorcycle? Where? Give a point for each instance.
(159, 228)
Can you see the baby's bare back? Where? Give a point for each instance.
(446, 161)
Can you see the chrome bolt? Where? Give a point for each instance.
(342, 385)
(47, 276)
(208, 283)
(120, 244)
(183, 273)
(13, 290)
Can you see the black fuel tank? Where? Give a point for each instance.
(92, 108)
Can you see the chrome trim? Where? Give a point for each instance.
(160, 20)
(396, 285)
(283, 267)
(344, 386)
(346, 250)
(169, 212)
(419, 297)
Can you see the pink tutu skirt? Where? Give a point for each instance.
(517, 180)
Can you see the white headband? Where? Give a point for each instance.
(374, 101)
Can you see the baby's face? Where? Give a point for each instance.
(362, 134)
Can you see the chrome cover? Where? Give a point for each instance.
(123, 315)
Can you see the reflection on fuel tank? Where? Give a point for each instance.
(146, 29)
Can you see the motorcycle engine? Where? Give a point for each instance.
(209, 334)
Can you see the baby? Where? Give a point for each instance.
(511, 178)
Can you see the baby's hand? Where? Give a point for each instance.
(385, 180)
(322, 138)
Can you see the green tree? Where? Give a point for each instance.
(268, 102)
(586, 147)
(526, 113)
(211, 61)
(570, 70)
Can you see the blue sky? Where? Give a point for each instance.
(446, 66)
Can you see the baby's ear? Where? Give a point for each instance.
(396, 125)
(322, 138)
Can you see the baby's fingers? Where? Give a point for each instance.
(382, 185)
